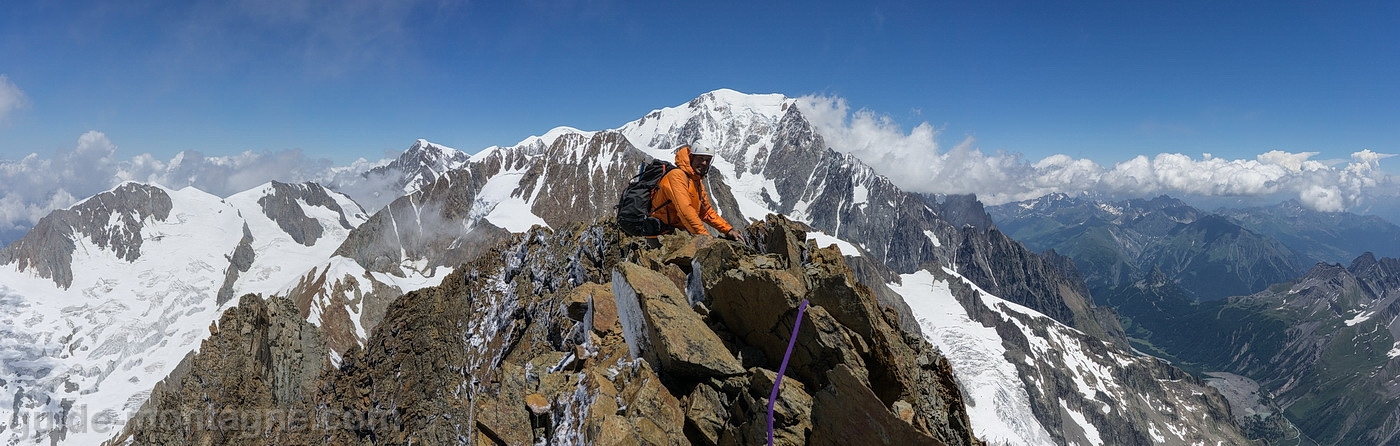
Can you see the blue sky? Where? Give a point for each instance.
(341, 80)
(350, 79)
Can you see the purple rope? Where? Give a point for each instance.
(778, 382)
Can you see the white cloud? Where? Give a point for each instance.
(33, 186)
(917, 162)
(11, 98)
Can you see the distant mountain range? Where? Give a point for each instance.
(460, 306)
(1254, 297)
(1210, 255)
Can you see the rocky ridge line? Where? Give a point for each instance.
(532, 343)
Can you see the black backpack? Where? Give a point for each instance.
(634, 207)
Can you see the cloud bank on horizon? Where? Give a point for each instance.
(917, 162)
(35, 185)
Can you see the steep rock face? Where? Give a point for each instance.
(1006, 268)
(533, 342)
(561, 177)
(961, 210)
(261, 360)
(239, 261)
(565, 176)
(110, 220)
(572, 177)
(579, 179)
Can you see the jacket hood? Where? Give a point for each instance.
(683, 160)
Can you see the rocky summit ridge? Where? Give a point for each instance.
(581, 336)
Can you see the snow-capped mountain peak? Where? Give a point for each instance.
(423, 163)
(107, 297)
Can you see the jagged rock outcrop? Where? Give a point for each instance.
(239, 261)
(110, 220)
(567, 176)
(961, 210)
(535, 341)
(246, 382)
(420, 165)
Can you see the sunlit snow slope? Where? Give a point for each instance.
(77, 361)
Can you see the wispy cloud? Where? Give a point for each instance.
(915, 160)
(11, 98)
(319, 38)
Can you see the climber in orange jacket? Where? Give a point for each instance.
(680, 200)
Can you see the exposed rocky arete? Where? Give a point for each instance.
(570, 333)
(239, 261)
(573, 176)
(580, 336)
(261, 356)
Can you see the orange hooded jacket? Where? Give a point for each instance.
(680, 199)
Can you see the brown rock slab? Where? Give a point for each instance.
(498, 409)
(705, 413)
(655, 414)
(792, 413)
(604, 306)
(663, 328)
(846, 412)
(538, 404)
